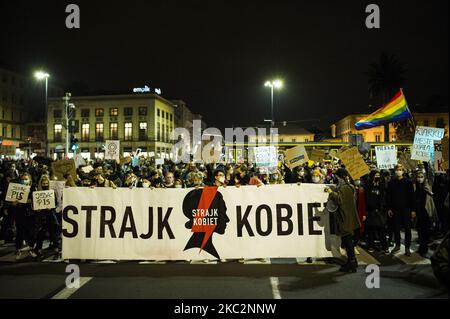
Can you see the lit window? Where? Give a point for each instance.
(98, 112)
(128, 131)
(99, 131)
(113, 131)
(114, 111)
(85, 132)
(58, 132)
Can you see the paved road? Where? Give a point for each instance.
(401, 277)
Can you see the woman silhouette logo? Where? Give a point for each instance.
(207, 214)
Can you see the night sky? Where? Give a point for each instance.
(216, 55)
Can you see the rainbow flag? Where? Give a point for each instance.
(395, 110)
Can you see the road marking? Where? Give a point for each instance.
(274, 282)
(67, 292)
(366, 258)
(414, 259)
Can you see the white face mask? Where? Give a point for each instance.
(399, 173)
(357, 182)
(316, 179)
(420, 180)
(146, 185)
(302, 173)
(221, 179)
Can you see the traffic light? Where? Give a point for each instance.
(73, 143)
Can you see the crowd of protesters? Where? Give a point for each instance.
(373, 209)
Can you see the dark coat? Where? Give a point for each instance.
(375, 205)
(347, 221)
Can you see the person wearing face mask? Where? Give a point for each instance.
(316, 177)
(24, 220)
(219, 178)
(400, 205)
(426, 212)
(45, 221)
(131, 180)
(145, 183)
(346, 217)
(376, 215)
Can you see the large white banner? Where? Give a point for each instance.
(194, 224)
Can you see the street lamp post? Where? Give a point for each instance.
(68, 107)
(41, 75)
(275, 84)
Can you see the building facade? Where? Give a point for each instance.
(343, 129)
(21, 102)
(139, 121)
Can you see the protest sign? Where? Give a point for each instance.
(386, 156)
(159, 161)
(272, 221)
(44, 200)
(112, 150)
(354, 162)
(333, 153)
(296, 156)
(407, 162)
(445, 154)
(423, 147)
(431, 133)
(125, 160)
(266, 156)
(58, 187)
(63, 167)
(87, 169)
(438, 163)
(317, 155)
(17, 193)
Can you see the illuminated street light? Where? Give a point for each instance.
(277, 84)
(41, 75)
